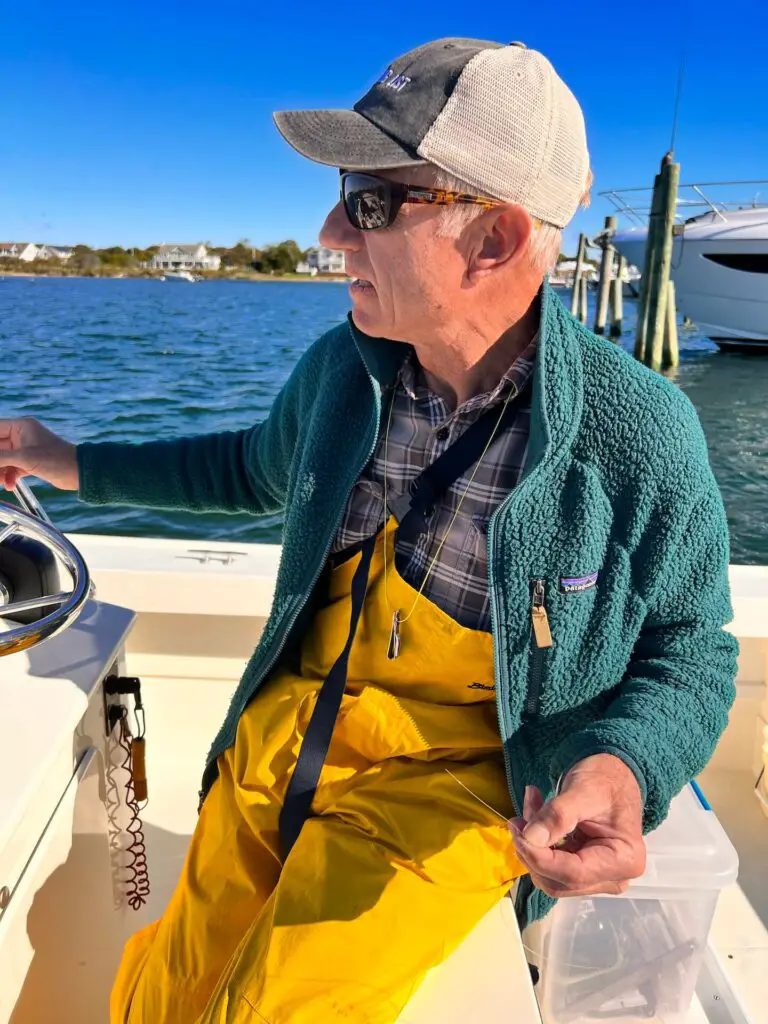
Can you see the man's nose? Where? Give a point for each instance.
(338, 233)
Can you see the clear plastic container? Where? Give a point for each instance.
(637, 957)
(761, 790)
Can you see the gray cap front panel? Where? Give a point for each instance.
(412, 92)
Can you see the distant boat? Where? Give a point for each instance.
(179, 275)
(563, 274)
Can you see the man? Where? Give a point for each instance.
(502, 589)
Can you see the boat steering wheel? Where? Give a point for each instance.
(32, 552)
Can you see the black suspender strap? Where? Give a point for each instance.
(412, 512)
(314, 748)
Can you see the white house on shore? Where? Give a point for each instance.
(28, 251)
(179, 256)
(54, 252)
(322, 261)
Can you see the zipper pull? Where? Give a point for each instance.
(539, 617)
(393, 649)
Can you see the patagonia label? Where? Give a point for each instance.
(577, 584)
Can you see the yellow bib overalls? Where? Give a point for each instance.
(397, 864)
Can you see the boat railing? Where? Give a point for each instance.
(635, 203)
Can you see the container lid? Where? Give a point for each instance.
(689, 850)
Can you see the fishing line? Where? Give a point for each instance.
(493, 810)
(509, 926)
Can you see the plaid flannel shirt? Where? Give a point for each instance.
(421, 429)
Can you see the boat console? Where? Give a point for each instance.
(63, 813)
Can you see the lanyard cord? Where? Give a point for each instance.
(455, 514)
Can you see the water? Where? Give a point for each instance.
(132, 360)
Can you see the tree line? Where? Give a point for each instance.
(279, 258)
(282, 258)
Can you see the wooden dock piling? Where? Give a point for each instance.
(652, 323)
(580, 257)
(648, 267)
(606, 274)
(671, 353)
(617, 298)
(583, 291)
(657, 301)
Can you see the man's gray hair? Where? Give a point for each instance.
(543, 248)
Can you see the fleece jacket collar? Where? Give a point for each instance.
(558, 392)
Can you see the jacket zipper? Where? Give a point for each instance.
(541, 640)
(525, 888)
(512, 782)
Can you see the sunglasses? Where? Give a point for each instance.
(371, 203)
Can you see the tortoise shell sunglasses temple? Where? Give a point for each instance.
(444, 197)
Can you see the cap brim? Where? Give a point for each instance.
(342, 138)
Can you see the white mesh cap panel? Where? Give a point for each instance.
(513, 129)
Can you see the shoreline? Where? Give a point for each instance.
(238, 276)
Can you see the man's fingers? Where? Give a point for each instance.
(9, 474)
(596, 862)
(533, 801)
(8, 479)
(7, 432)
(556, 818)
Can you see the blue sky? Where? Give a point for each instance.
(136, 123)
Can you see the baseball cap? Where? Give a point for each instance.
(497, 116)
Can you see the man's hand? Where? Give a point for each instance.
(598, 817)
(27, 448)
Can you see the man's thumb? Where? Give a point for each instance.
(556, 819)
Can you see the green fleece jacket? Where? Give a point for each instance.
(617, 483)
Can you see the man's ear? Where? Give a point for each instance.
(498, 237)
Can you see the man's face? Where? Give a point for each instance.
(410, 277)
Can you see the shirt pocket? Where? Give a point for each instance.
(473, 556)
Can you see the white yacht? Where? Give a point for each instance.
(85, 860)
(179, 275)
(719, 258)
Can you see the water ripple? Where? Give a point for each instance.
(137, 360)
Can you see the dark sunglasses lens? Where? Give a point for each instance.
(368, 201)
